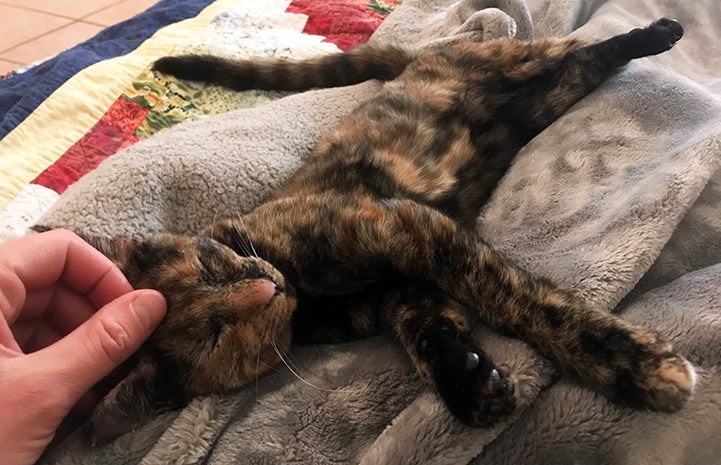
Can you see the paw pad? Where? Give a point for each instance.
(674, 28)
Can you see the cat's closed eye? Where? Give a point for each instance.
(219, 327)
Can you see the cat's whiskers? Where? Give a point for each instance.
(303, 380)
(213, 223)
(247, 234)
(242, 241)
(257, 370)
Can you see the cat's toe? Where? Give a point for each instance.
(637, 368)
(666, 382)
(475, 391)
(660, 36)
(472, 387)
(495, 401)
(651, 376)
(670, 28)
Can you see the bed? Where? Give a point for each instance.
(619, 200)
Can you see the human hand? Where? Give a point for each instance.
(69, 317)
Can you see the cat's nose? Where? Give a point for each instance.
(498, 384)
(262, 292)
(254, 295)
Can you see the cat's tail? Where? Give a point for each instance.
(333, 70)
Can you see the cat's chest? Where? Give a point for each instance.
(323, 244)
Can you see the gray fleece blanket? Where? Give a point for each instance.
(619, 200)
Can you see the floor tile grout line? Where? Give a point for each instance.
(8, 60)
(95, 23)
(50, 31)
(57, 15)
(37, 10)
(47, 32)
(72, 20)
(103, 9)
(71, 23)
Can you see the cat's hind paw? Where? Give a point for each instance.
(658, 37)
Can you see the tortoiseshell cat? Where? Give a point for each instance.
(376, 231)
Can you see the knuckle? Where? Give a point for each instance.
(114, 341)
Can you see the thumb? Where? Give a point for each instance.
(89, 353)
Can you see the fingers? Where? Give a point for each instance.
(92, 273)
(12, 293)
(56, 307)
(41, 260)
(32, 336)
(95, 348)
(7, 338)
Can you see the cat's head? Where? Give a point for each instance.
(228, 318)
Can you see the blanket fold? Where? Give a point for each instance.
(618, 201)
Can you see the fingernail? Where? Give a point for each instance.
(149, 306)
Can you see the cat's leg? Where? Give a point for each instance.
(587, 66)
(629, 364)
(656, 38)
(378, 241)
(562, 73)
(435, 332)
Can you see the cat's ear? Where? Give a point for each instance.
(141, 395)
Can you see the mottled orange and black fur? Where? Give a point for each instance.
(376, 231)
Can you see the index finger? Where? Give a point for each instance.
(60, 256)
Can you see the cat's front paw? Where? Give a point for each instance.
(662, 382)
(481, 398)
(641, 371)
(472, 387)
(658, 37)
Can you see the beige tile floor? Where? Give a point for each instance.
(32, 30)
